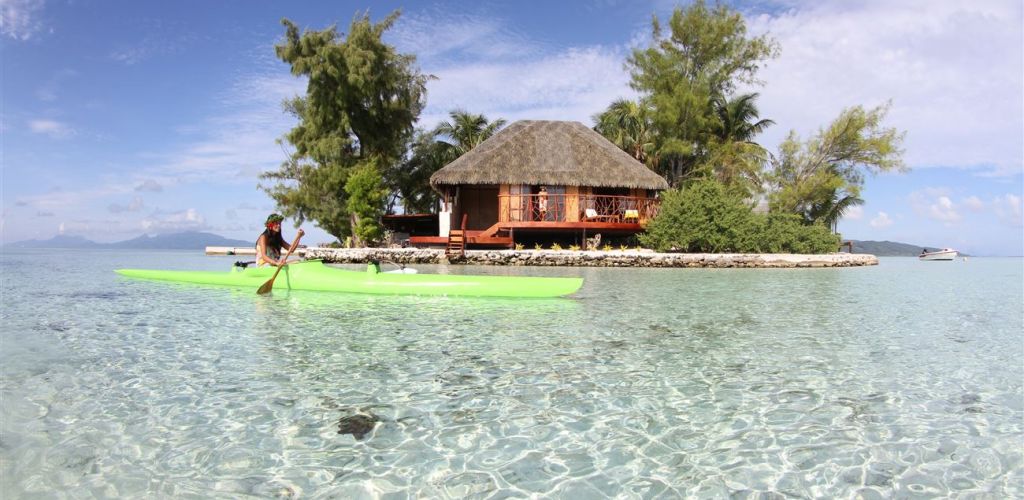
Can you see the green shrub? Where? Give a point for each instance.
(701, 218)
(705, 217)
(787, 233)
(366, 195)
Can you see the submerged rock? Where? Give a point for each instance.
(358, 425)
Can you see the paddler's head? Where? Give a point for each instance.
(274, 222)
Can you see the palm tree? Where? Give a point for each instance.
(466, 131)
(628, 125)
(735, 157)
(738, 119)
(431, 150)
(834, 208)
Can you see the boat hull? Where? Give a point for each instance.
(941, 255)
(315, 276)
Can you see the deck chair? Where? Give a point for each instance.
(631, 214)
(591, 215)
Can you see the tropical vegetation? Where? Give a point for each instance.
(821, 178)
(708, 217)
(433, 149)
(361, 103)
(691, 125)
(355, 154)
(685, 78)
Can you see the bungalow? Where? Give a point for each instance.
(553, 179)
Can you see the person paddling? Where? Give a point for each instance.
(270, 245)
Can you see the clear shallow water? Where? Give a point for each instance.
(903, 379)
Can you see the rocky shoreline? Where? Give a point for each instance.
(593, 258)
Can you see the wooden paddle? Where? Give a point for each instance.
(269, 285)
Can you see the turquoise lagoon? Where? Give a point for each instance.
(898, 380)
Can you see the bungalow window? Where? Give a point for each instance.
(611, 201)
(519, 202)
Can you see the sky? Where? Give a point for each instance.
(122, 118)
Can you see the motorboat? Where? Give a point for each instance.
(943, 254)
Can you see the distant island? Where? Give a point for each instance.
(190, 240)
(888, 248)
(194, 240)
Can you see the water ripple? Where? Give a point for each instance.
(651, 384)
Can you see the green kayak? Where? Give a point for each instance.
(314, 275)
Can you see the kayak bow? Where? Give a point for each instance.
(315, 276)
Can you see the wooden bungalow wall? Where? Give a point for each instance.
(482, 203)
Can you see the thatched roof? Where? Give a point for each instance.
(558, 153)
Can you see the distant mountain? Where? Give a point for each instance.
(180, 241)
(190, 240)
(59, 241)
(888, 248)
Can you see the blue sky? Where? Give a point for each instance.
(123, 118)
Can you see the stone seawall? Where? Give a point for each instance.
(595, 258)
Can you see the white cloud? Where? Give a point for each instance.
(235, 145)
(953, 70)
(72, 200)
(149, 185)
(935, 204)
(19, 19)
(93, 228)
(484, 66)
(880, 221)
(232, 147)
(130, 55)
(52, 128)
(1008, 209)
(973, 203)
(570, 85)
(430, 34)
(133, 206)
(162, 37)
(185, 220)
(240, 142)
(854, 213)
(943, 210)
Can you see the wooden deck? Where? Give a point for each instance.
(442, 241)
(596, 226)
(580, 216)
(564, 208)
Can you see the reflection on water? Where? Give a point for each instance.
(901, 380)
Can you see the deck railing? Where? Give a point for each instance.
(582, 208)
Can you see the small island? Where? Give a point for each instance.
(676, 169)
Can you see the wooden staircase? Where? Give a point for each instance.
(495, 231)
(456, 246)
